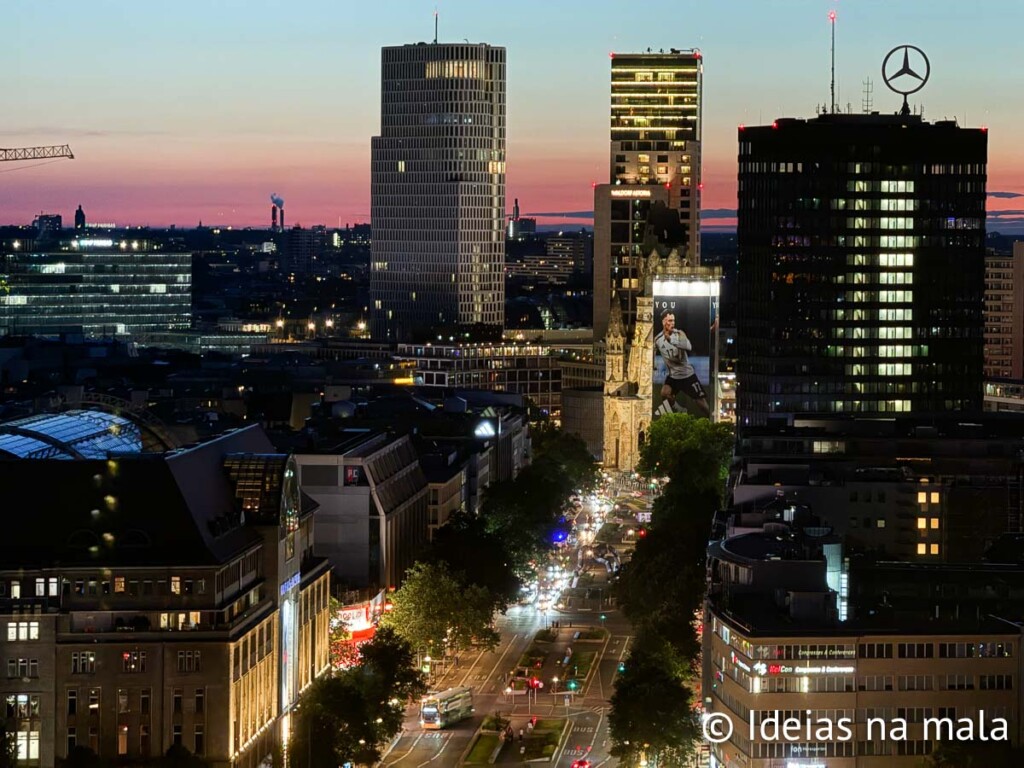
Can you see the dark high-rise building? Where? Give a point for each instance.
(79, 218)
(861, 266)
(655, 132)
(437, 191)
(48, 223)
(304, 249)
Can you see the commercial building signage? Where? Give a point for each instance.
(291, 583)
(356, 617)
(630, 192)
(787, 669)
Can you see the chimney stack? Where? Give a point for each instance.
(282, 218)
(273, 218)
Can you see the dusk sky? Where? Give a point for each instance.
(185, 111)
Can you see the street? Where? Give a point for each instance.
(584, 627)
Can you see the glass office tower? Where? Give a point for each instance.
(94, 286)
(655, 133)
(437, 192)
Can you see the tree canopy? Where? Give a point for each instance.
(347, 717)
(661, 590)
(691, 450)
(652, 711)
(436, 613)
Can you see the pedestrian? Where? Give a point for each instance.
(521, 734)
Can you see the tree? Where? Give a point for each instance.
(436, 613)
(688, 449)
(652, 711)
(335, 724)
(178, 756)
(391, 658)
(348, 717)
(83, 757)
(476, 556)
(523, 513)
(662, 586)
(567, 449)
(8, 747)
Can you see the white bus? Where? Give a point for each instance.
(439, 710)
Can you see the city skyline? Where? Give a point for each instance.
(188, 113)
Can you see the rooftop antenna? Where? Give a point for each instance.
(867, 102)
(435, 26)
(832, 20)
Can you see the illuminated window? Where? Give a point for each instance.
(119, 584)
(176, 585)
(922, 523)
(922, 497)
(935, 523)
(934, 549)
(401, 166)
(935, 497)
(922, 549)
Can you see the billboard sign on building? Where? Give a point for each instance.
(685, 346)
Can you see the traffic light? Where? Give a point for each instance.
(533, 720)
(572, 685)
(641, 532)
(622, 666)
(603, 617)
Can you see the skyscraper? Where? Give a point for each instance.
(655, 134)
(861, 266)
(437, 191)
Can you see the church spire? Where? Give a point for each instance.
(616, 326)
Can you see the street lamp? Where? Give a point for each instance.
(554, 681)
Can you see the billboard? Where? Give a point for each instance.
(685, 347)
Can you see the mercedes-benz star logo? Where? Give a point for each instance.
(905, 78)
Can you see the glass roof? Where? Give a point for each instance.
(69, 435)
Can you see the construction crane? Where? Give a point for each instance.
(54, 152)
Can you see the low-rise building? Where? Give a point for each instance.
(373, 505)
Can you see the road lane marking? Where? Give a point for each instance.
(404, 754)
(470, 670)
(447, 741)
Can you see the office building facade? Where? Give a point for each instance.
(861, 280)
(159, 601)
(373, 497)
(897, 662)
(1004, 315)
(94, 286)
(437, 191)
(655, 156)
